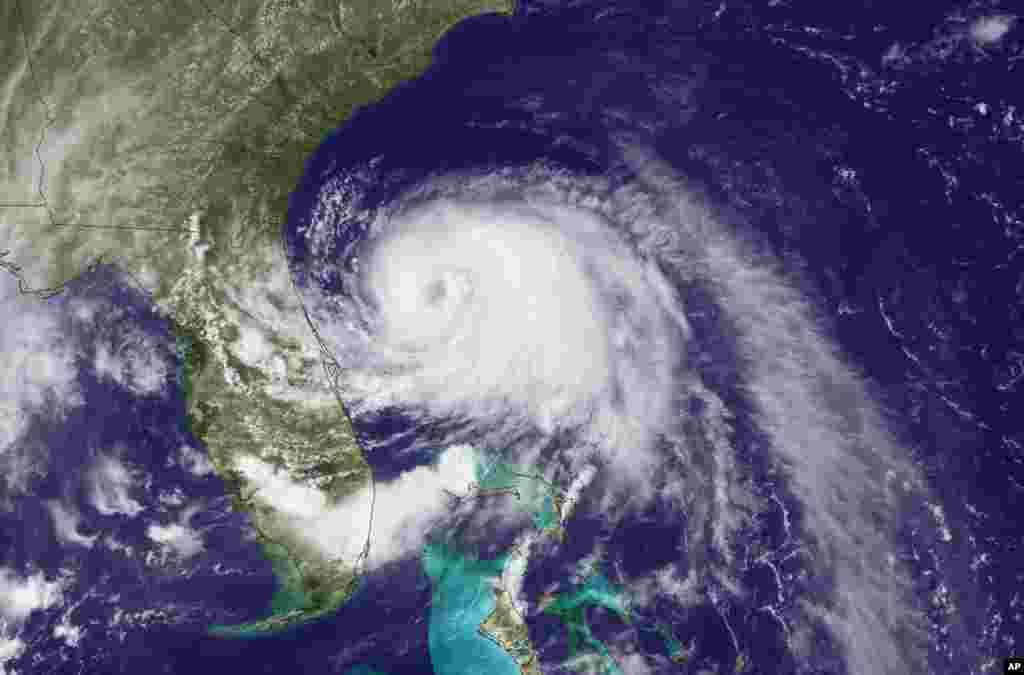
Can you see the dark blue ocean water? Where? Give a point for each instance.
(145, 434)
(759, 115)
(761, 107)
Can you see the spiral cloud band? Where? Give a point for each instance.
(535, 304)
(524, 313)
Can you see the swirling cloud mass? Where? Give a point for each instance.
(532, 313)
(537, 304)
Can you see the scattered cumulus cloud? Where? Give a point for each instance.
(110, 483)
(134, 362)
(991, 29)
(19, 597)
(65, 521)
(177, 537)
(185, 541)
(11, 646)
(194, 461)
(252, 346)
(119, 547)
(173, 497)
(271, 330)
(68, 632)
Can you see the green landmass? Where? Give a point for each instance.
(166, 138)
(235, 410)
(305, 593)
(507, 628)
(189, 116)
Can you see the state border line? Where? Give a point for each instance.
(47, 107)
(50, 118)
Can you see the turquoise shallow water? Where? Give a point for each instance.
(462, 585)
(570, 607)
(462, 598)
(536, 494)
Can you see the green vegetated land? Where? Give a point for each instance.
(166, 138)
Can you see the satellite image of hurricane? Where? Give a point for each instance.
(481, 337)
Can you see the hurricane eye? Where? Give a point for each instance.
(436, 292)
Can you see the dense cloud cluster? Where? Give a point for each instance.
(537, 304)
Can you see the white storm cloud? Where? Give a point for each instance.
(403, 509)
(532, 315)
(37, 372)
(277, 489)
(38, 377)
(20, 596)
(68, 632)
(110, 484)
